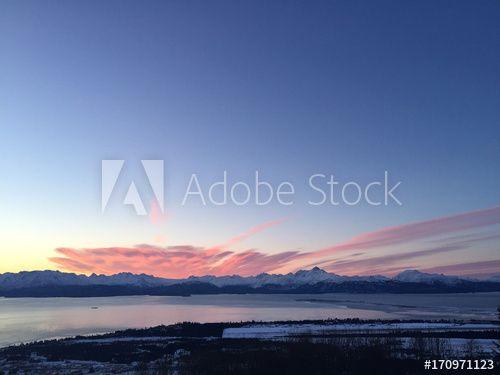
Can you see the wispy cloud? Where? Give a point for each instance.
(387, 264)
(478, 269)
(250, 232)
(383, 264)
(417, 231)
(156, 215)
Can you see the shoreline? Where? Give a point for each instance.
(182, 345)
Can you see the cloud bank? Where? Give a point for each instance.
(171, 262)
(186, 260)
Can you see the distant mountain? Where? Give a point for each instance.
(26, 279)
(302, 277)
(414, 276)
(316, 280)
(495, 279)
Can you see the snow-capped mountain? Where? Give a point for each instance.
(302, 277)
(415, 276)
(26, 279)
(29, 279)
(127, 278)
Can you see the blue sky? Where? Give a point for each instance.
(287, 88)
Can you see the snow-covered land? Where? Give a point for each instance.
(288, 330)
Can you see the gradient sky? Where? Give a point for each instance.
(349, 88)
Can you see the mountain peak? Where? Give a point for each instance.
(315, 270)
(416, 276)
(411, 272)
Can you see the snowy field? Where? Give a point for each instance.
(285, 330)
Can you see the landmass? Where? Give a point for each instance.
(349, 346)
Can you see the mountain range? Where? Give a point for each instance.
(55, 283)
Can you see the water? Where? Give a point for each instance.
(29, 319)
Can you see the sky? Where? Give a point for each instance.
(353, 89)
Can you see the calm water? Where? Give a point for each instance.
(28, 319)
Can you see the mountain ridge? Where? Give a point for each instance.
(48, 278)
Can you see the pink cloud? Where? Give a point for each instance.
(172, 261)
(416, 231)
(392, 263)
(250, 232)
(156, 215)
(182, 261)
(381, 264)
(477, 269)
